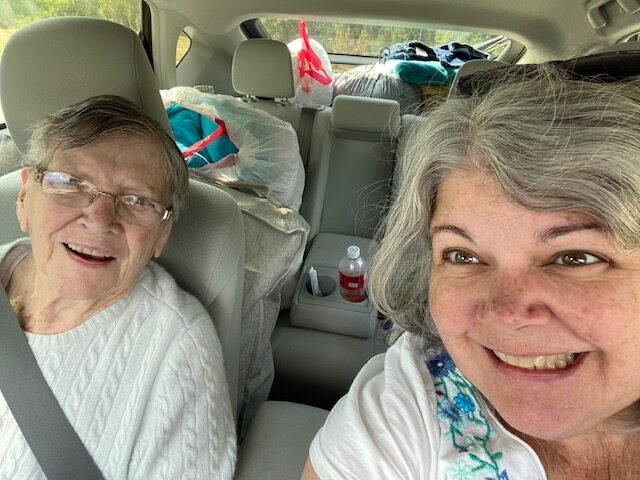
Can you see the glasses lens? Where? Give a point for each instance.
(139, 210)
(66, 189)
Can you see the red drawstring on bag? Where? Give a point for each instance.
(308, 62)
(206, 141)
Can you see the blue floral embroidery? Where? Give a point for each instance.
(464, 424)
(450, 413)
(441, 365)
(464, 403)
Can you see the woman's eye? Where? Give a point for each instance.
(577, 259)
(460, 257)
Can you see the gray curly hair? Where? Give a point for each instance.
(553, 143)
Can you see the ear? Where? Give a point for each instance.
(22, 210)
(163, 238)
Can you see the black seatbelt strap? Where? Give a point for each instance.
(55, 444)
(305, 128)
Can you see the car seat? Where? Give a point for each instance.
(54, 63)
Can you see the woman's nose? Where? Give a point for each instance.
(101, 213)
(517, 300)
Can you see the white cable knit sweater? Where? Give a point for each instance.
(142, 382)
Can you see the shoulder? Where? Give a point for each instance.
(390, 407)
(160, 292)
(172, 319)
(181, 336)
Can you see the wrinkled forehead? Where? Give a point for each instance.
(123, 160)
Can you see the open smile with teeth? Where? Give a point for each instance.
(87, 252)
(541, 362)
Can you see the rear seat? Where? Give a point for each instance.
(348, 175)
(354, 172)
(347, 188)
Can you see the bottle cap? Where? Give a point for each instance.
(353, 252)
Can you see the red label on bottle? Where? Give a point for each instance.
(352, 287)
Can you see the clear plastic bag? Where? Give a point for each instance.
(312, 76)
(268, 159)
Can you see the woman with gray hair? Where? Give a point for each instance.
(511, 260)
(133, 360)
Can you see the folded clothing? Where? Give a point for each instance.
(190, 127)
(433, 73)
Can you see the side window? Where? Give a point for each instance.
(16, 13)
(182, 47)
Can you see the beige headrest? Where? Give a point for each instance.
(365, 114)
(57, 62)
(262, 68)
(470, 67)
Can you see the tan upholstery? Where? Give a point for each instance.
(58, 62)
(366, 114)
(49, 64)
(278, 441)
(359, 166)
(262, 68)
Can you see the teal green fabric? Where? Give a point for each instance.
(189, 127)
(432, 73)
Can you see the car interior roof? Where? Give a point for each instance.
(549, 29)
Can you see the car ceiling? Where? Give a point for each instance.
(548, 28)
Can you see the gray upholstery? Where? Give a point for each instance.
(271, 452)
(262, 68)
(58, 62)
(9, 188)
(360, 165)
(50, 64)
(366, 114)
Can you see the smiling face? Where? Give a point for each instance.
(89, 253)
(540, 311)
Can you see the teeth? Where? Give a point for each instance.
(541, 362)
(86, 251)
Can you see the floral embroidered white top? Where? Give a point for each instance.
(411, 416)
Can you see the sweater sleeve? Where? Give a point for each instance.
(188, 428)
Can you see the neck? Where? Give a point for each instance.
(42, 311)
(599, 454)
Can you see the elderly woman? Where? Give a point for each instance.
(511, 258)
(133, 360)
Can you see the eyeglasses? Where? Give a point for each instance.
(70, 191)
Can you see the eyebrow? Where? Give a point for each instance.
(555, 232)
(547, 235)
(450, 229)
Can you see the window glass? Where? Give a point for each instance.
(366, 40)
(16, 13)
(182, 47)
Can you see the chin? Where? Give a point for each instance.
(85, 289)
(546, 423)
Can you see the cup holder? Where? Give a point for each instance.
(326, 283)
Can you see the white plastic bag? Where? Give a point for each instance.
(268, 154)
(312, 76)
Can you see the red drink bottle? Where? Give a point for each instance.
(353, 275)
